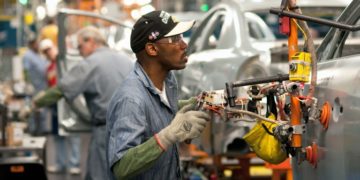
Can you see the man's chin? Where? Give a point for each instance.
(180, 67)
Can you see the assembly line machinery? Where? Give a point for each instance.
(283, 105)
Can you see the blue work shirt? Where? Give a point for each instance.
(36, 66)
(97, 77)
(136, 112)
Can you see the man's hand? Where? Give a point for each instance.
(187, 124)
(26, 111)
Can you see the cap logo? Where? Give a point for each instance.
(164, 17)
(153, 35)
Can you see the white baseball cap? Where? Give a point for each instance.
(45, 44)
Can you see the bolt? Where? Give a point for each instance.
(292, 67)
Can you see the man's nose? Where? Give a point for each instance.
(183, 44)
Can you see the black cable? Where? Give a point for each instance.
(266, 129)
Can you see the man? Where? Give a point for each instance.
(97, 78)
(142, 121)
(35, 74)
(35, 66)
(49, 50)
(62, 160)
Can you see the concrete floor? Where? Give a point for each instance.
(85, 139)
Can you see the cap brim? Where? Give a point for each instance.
(180, 28)
(45, 48)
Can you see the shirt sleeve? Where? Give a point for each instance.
(137, 159)
(49, 97)
(77, 80)
(127, 123)
(26, 63)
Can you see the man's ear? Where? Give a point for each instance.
(151, 49)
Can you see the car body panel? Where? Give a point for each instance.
(338, 82)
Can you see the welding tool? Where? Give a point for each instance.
(230, 86)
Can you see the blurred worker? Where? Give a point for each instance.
(49, 31)
(143, 121)
(96, 77)
(35, 73)
(48, 48)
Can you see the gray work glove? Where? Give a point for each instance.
(186, 125)
(183, 102)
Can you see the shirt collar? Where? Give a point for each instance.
(170, 80)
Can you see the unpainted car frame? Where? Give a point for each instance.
(338, 82)
(232, 43)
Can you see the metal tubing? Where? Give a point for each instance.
(247, 82)
(314, 19)
(230, 94)
(293, 39)
(295, 120)
(91, 14)
(230, 86)
(295, 117)
(60, 59)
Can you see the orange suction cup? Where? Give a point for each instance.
(325, 115)
(312, 154)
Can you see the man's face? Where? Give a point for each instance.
(35, 46)
(46, 52)
(50, 53)
(86, 46)
(172, 52)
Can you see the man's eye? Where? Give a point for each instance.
(176, 38)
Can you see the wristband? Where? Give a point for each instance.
(158, 142)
